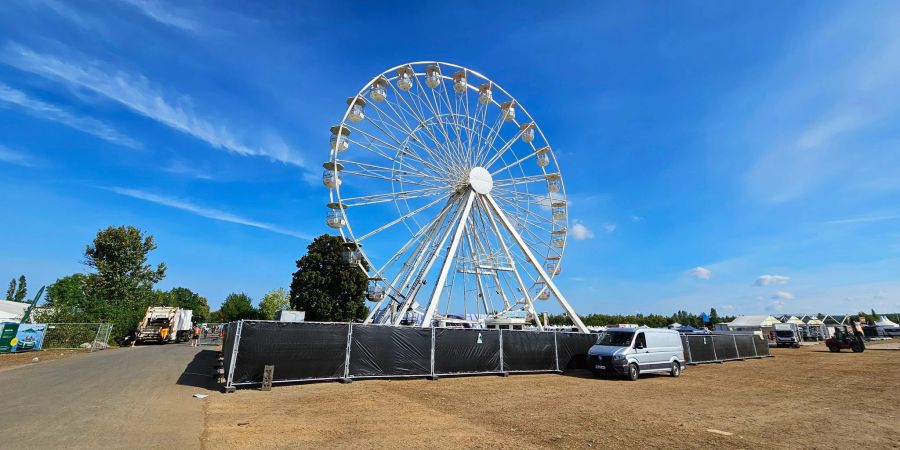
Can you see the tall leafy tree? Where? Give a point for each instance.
(325, 286)
(185, 298)
(66, 301)
(236, 306)
(21, 290)
(713, 316)
(276, 300)
(11, 292)
(122, 286)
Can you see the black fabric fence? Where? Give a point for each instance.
(303, 351)
(707, 348)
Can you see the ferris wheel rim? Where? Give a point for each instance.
(349, 236)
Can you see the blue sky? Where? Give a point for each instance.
(741, 156)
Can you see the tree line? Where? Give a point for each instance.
(17, 290)
(650, 320)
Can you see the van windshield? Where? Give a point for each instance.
(615, 339)
(785, 333)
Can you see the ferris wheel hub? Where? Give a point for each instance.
(480, 180)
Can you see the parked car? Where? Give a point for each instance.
(630, 352)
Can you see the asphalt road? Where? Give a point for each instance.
(122, 398)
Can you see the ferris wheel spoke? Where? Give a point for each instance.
(385, 122)
(408, 129)
(521, 180)
(391, 196)
(389, 172)
(502, 150)
(401, 218)
(516, 162)
(399, 147)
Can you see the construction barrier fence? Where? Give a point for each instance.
(308, 351)
(92, 336)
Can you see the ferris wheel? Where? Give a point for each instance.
(448, 195)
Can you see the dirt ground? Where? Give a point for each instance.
(11, 360)
(803, 397)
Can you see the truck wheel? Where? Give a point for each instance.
(856, 348)
(633, 372)
(834, 349)
(676, 369)
(796, 346)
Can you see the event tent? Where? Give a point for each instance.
(12, 311)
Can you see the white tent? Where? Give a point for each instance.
(794, 320)
(886, 327)
(12, 311)
(885, 322)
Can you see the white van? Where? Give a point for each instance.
(633, 351)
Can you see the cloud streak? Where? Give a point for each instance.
(163, 14)
(700, 273)
(765, 280)
(202, 211)
(136, 93)
(862, 220)
(580, 232)
(13, 157)
(43, 110)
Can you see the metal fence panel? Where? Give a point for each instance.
(211, 334)
(528, 351)
(762, 346)
(725, 349)
(299, 351)
(745, 346)
(572, 349)
(378, 351)
(93, 336)
(702, 348)
(466, 351)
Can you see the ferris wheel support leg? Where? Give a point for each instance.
(512, 262)
(540, 269)
(448, 261)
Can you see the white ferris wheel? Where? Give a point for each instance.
(448, 195)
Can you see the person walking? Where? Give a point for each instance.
(195, 336)
(135, 332)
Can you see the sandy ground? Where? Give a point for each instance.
(11, 360)
(803, 397)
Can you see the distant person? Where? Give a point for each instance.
(133, 334)
(195, 336)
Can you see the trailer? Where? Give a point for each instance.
(165, 324)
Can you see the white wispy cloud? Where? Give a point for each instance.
(165, 14)
(137, 93)
(862, 220)
(13, 157)
(700, 273)
(179, 167)
(609, 227)
(782, 295)
(43, 110)
(203, 211)
(765, 280)
(581, 232)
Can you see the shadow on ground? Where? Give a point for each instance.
(200, 372)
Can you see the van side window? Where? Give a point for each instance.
(640, 341)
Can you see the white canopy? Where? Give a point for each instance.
(753, 321)
(12, 311)
(885, 322)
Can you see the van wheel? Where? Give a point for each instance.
(633, 372)
(834, 349)
(676, 369)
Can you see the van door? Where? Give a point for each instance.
(641, 352)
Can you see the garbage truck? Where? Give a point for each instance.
(165, 324)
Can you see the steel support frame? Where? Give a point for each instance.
(538, 267)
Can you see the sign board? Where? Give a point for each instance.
(15, 337)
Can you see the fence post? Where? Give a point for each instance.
(755, 352)
(346, 378)
(234, 354)
(736, 351)
(433, 377)
(712, 338)
(690, 357)
(96, 336)
(556, 350)
(502, 366)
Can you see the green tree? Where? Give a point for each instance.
(237, 306)
(713, 316)
(11, 292)
(325, 286)
(66, 301)
(186, 299)
(22, 290)
(122, 287)
(276, 300)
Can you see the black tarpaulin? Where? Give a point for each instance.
(528, 351)
(228, 346)
(745, 345)
(762, 346)
(466, 351)
(572, 349)
(725, 347)
(701, 348)
(299, 351)
(378, 350)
